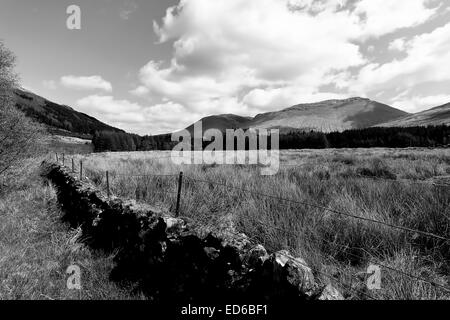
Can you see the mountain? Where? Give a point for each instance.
(222, 122)
(330, 115)
(58, 119)
(325, 116)
(431, 117)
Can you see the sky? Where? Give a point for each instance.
(152, 66)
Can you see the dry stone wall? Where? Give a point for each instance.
(172, 259)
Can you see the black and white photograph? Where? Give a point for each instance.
(224, 159)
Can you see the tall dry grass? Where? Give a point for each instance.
(366, 183)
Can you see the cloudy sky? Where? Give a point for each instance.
(152, 66)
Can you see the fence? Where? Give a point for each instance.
(181, 179)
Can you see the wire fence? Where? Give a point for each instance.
(173, 189)
(374, 178)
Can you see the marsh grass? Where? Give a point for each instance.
(367, 183)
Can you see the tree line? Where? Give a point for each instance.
(375, 137)
(121, 141)
(381, 137)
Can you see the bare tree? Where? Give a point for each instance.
(19, 136)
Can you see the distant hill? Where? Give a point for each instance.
(431, 117)
(222, 122)
(59, 119)
(325, 116)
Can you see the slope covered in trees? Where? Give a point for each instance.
(59, 119)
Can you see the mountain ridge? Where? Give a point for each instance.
(324, 116)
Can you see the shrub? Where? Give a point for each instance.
(19, 136)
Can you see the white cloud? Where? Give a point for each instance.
(226, 52)
(427, 60)
(133, 117)
(375, 18)
(86, 83)
(113, 108)
(315, 6)
(420, 103)
(382, 17)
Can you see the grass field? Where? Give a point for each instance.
(392, 186)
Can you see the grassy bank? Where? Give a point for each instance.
(36, 249)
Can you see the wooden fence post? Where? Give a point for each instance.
(63, 159)
(81, 169)
(107, 183)
(73, 166)
(180, 184)
(56, 154)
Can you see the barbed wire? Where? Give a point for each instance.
(142, 175)
(149, 190)
(405, 181)
(352, 176)
(428, 234)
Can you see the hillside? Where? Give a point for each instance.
(325, 116)
(432, 117)
(59, 119)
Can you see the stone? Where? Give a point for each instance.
(173, 224)
(299, 274)
(330, 293)
(256, 256)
